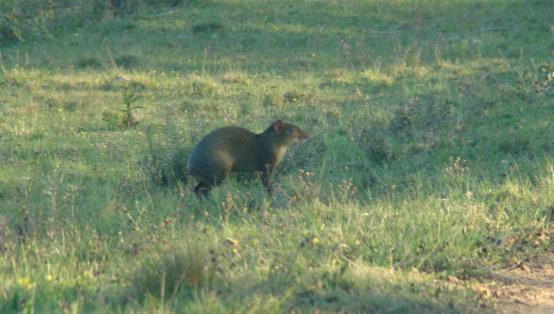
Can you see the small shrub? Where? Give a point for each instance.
(183, 270)
(127, 117)
(203, 86)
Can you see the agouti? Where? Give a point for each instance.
(235, 149)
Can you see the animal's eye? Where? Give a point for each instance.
(290, 131)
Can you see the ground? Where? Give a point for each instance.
(425, 185)
(524, 288)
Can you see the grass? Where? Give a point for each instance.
(430, 161)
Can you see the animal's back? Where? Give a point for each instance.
(215, 155)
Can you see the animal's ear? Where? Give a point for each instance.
(278, 125)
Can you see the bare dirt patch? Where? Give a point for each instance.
(527, 287)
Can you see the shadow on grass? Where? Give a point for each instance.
(317, 37)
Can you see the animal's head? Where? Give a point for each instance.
(287, 133)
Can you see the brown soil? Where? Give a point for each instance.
(525, 288)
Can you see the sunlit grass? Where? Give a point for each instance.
(429, 162)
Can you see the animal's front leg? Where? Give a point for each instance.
(266, 177)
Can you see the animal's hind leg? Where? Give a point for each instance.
(202, 189)
(207, 179)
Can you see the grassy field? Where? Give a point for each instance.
(430, 162)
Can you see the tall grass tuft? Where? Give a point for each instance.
(182, 270)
